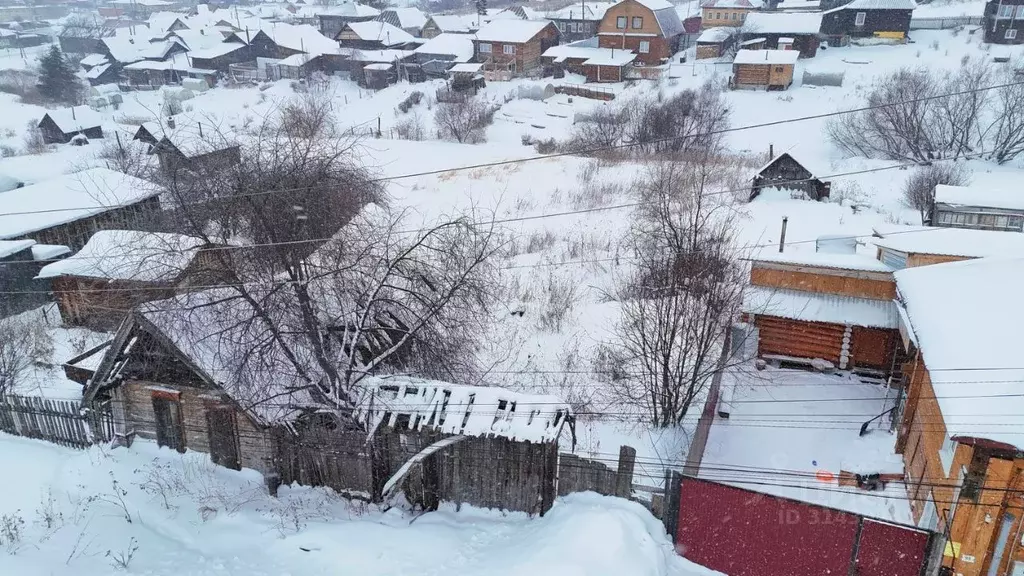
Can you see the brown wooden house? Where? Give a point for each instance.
(786, 172)
(60, 126)
(514, 46)
(117, 270)
(95, 199)
(650, 28)
(180, 142)
(373, 35)
(764, 69)
(960, 424)
(912, 246)
(832, 304)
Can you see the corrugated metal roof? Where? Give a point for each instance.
(816, 307)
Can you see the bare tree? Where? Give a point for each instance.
(464, 120)
(323, 284)
(677, 307)
(1006, 134)
(919, 189)
(15, 352)
(960, 114)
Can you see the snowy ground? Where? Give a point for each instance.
(52, 345)
(82, 513)
(787, 425)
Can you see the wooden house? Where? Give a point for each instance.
(386, 66)
(578, 21)
(714, 42)
(373, 35)
(978, 208)
(727, 13)
(333, 18)
(219, 56)
(960, 429)
(450, 24)
(833, 305)
(764, 69)
(117, 270)
(95, 199)
(785, 30)
(174, 374)
(1004, 21)
(409, 19)
(888, 19)
(913, 246)
(649, 28)
(59, 126)
(514, 46)
(786, 172)
(597, 64)
(179, 142)
(20, 262)
(443, 51)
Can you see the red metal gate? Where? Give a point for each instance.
(740, 532)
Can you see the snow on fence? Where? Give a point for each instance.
(944, 23)
(59, 421)
(594, 92)
(823, 78)
(578, 474)
(644, 73)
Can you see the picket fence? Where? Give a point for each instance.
(62, 422)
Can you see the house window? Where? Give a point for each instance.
(485, 48)
(509, 48)
(861, 18)
(743, 16)
(561, 26)
(1015, 223)
(970, 486)
(1011, 34)
(1006, 11)
(645, 46)
(1020, 12)
(718, 15)
(733, 16)
(620, 22)
(778, 69)
(897, 260)
(638, 22)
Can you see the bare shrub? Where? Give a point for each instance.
(129, 157)
(588, 172)
(11, 526)
(464, 120)
(122, 559)
(410, 101)
(15, 352)
(308, 116)
(34, 143)
(540, 241)
(594, 195)
(7, 151)
(575, 390)
(919, 189)
(548, 146)
(21, 83)
(410, 127)
(558, 302)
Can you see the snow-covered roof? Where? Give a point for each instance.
(9, 247)
(382, 66)
(9, 183)
(404, 17)
(966, 318)
(374, 31)
(458, 45)
(128, 255)
(457, 23)
(979, 196)
(815, 171)
(45, 252)
(94, 60)
(458, 409)
(769, 57)
(348, 8)
(381, 56)
(876, 5)
(715, 35)
(590, 55)
(818, 307)
(577, 11)
(857, 261)
(783, 23)
(656, 5)
(786, 5)
(466, 68)
(511, 31)
(753, 4)
(302, 37)
(216, 50)
(106, 89)
(209, 328)
(963, 242)
(75, 118)
(97, 71)
(67, 198)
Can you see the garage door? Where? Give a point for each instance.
(786, 337)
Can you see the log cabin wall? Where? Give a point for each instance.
(929, 259)
(874, 285)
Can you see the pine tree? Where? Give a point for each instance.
(481, 7)
(57, 80)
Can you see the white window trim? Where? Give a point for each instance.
(645, 47)
(1006, 11)
(1011, 34)
(485, 48)
(860, 18)
(623, 20)
(508, 49)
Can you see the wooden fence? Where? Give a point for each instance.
(644, 73)
(579, 474)
(944, 23)
(59, 421)
(593, 92)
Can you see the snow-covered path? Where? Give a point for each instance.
(190, 518)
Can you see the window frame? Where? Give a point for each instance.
(621, 22)
(644, 47)
(634, 21)
(481, 48)
(1011, 34)
(860, 19)
(508, 49)
(1006, 11)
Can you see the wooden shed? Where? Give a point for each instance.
(767, 69)
(714, 42)
(786, 172)
(829, 305)
(59, 126)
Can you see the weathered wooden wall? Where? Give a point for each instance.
(874, 285)
(929, 259)
(255, 445)
(578, 474)
(786, 337)
(59, 421)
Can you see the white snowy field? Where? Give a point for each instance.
(144, 510)
(801, 423)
